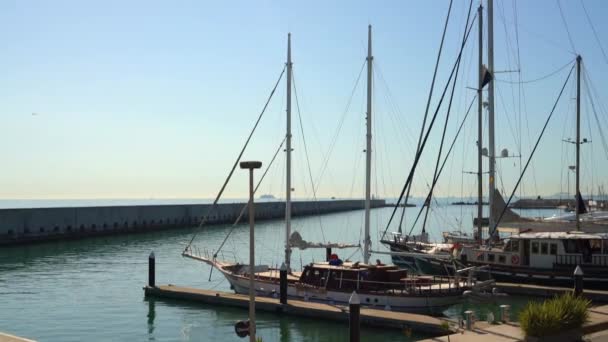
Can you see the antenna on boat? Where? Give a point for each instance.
(480, 127)
(368, 149)
(579, 59)
(288, 160)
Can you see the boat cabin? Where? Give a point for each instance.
(351, 277)
(544, 250)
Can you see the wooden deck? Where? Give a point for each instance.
(369, 317)
(11, 338)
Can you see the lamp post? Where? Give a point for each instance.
(251, 165)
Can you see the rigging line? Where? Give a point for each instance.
(565, 25)
(436, 178)
(428, 102)
(597, 39)
(339, 128)
(419, 153)
(238, 219)
(445, 127)
(540, 78)
(236, 162)
(585, 76)
(504, 209)
(312, 184)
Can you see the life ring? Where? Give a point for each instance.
(515, 260)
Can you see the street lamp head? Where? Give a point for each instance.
(250, 164)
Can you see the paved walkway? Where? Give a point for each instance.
(10, 338)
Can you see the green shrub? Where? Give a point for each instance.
(562, 313)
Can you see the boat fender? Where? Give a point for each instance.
(515, 260)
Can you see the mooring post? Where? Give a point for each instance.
(151, 270)
(578, 280)
(505, 313)
(283, 283)
(354, 308)
(327, 253)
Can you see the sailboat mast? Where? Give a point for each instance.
(288, 160)
(368, 148)
(479, 127)
(578, 136)
(491, 147)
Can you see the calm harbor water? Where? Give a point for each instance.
(92, 289)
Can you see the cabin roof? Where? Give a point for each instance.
(349, 266)
(561, 235)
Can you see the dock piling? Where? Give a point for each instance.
(470, 324)
(354, 306)
(151, 270)
(578, 280)
(283, 283)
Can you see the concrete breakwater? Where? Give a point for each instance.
(19, 226)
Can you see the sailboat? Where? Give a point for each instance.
(334, 281)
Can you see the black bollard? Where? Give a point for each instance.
(578, 280)
(283, 284)
(327, 253)
(151, 270)
(354, 308)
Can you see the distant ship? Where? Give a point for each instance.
(267, 197)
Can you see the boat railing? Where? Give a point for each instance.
(578, 259)
(414, 285)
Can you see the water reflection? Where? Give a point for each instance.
(151, 317)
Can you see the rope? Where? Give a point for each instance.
(417, 158)
(428, 104)
(540, 78)
(238, 219)
(597, 39)
(312, 184)
(566, 25)
(504, 209)
(436, 178)
(236, 162)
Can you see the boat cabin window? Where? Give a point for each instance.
(502, 259)
(553, 249)
(491, 257)
(512, 246)
(596, 246)
(534, 247)
(570, 246)
(605, 243)
(480, 256)
(544, 248)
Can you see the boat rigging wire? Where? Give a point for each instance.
(436, 178)
(238, 219)
(236, 162)
(565, 25)
(428, 103)
(540, 78)
(312, 184)
(504, 209)
(419, 153)
(597, 39)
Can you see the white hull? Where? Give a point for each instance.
(398, 301)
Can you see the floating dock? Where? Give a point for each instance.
(19, 226)
(369, 317)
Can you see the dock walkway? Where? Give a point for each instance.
(509, 332)
(369, 317)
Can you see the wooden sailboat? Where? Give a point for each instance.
(334, 281)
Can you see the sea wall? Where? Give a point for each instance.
(19, 226)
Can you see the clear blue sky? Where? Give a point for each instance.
(139, 99)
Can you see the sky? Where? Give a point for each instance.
(154, 99)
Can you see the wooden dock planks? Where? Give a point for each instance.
(369, 317)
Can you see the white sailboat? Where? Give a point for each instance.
(333, 282)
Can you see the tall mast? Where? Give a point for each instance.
(578, 136)
(491, 147)
(368, 148)
(479, 127)
(288, 160)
